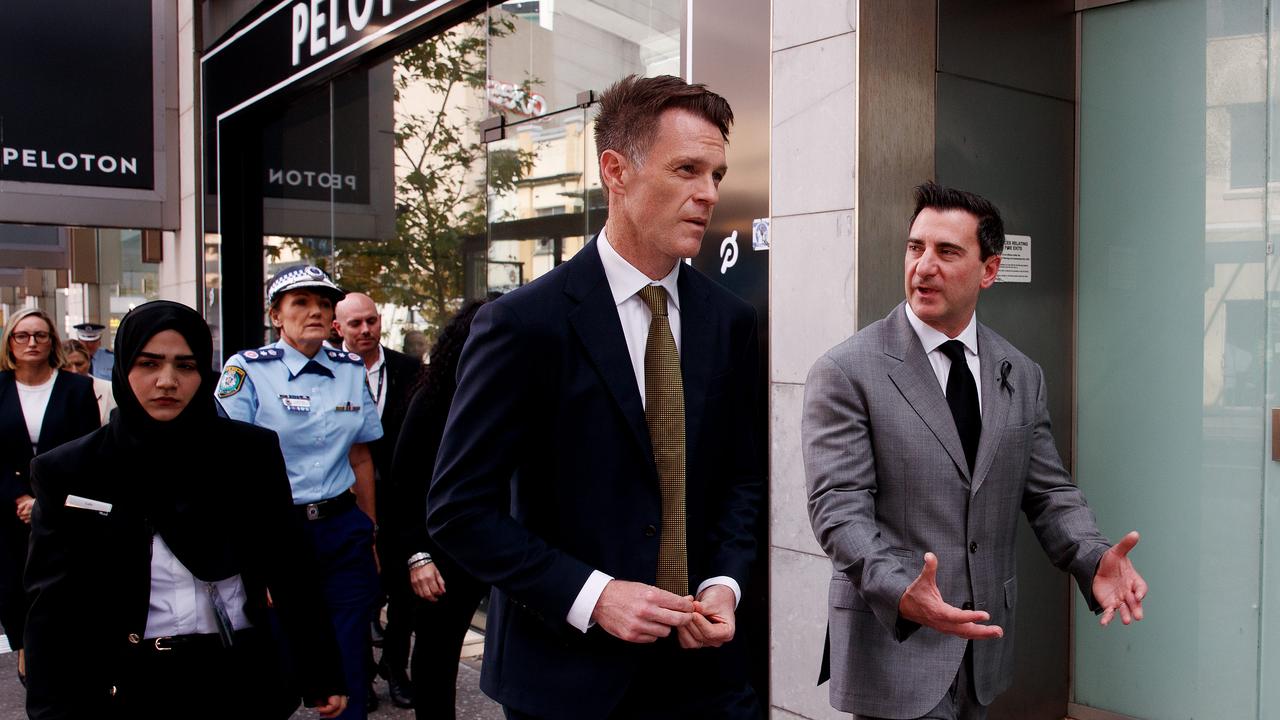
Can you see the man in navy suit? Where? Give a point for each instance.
(599, 467)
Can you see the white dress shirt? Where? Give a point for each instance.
(625, 281)
(180, 603)
(376, 377)
(932, 339)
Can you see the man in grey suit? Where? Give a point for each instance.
(916, 471)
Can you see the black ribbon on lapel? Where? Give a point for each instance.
(1005, 368)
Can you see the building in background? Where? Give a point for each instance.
(429, 152)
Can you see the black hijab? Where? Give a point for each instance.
(169, 460)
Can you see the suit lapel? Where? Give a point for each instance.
(918, 384)
(595, 321)
(697, 340)
(995, 404)
(12, 422)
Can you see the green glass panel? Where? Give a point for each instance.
(1170, 352)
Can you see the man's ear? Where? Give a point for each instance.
(990, 269)
(613, 171)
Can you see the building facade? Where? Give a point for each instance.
(431, 152)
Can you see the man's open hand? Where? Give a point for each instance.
(1117, 586)
(923, 604)
(640, 613)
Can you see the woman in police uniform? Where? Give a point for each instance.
(317, 401)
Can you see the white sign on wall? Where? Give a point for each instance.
(1015, 261)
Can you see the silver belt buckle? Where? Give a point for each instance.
(159, 647)
(313, 511)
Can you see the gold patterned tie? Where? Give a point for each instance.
(664, 411)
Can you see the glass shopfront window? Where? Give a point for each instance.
(393, 178)
(78, 275)
(1177, 345)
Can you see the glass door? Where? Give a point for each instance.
(1176, 301)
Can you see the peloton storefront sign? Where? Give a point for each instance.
(321, 25)
(67, 161)
(310, 178)
(62, 120)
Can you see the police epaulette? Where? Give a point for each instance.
(344, 356)
(262, 354)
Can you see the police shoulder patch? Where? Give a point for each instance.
(231, 382)
(344, 356)
(262, 354)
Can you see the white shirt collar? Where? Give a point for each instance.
(625, 280)
(377, 364)
(931, 338)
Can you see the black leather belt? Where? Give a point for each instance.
(327, 508)
(187, 643)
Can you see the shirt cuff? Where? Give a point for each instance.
(585, 603)
(727, 582)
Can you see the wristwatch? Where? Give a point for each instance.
(419, 558)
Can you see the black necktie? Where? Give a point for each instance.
(962, 396)
(314, 367)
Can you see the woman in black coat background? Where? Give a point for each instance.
(35, 395)
(157, 544)
(448, 595)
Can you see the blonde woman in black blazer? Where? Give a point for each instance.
(41, 407)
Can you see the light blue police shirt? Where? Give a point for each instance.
(318, 418)
(103, 360)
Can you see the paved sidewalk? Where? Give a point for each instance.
(472, 704)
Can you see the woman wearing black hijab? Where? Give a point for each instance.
(157, 543)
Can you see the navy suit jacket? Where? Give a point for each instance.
(546, 472)
(72, 412)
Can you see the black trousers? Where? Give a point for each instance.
(677, 684)
(440, 627)
(13, 560)
(210, 682)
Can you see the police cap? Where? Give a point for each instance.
(303, 277)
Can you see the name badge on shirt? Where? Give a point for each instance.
(296, 403)
(84, 503)
(347, 407)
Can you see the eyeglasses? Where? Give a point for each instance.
(22, 338)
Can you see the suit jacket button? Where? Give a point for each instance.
(967, 606)
(113, 691)
(650, 531)
(973, 547)
(133, 638)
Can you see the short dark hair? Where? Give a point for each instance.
(630, 108)
(990, 224)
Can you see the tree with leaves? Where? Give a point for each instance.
(440, 183)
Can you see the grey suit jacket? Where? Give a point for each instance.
(888, 481)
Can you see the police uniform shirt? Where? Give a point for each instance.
(102, 362)
(317, 416)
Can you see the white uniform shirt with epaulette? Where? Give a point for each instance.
(101, 363)
(318, 414)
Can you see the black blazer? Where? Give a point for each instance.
(89, 575)
(547, 407)
(402, 375)
(415, 457)
(71, 413)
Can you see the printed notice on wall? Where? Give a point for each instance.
(1015, 261)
